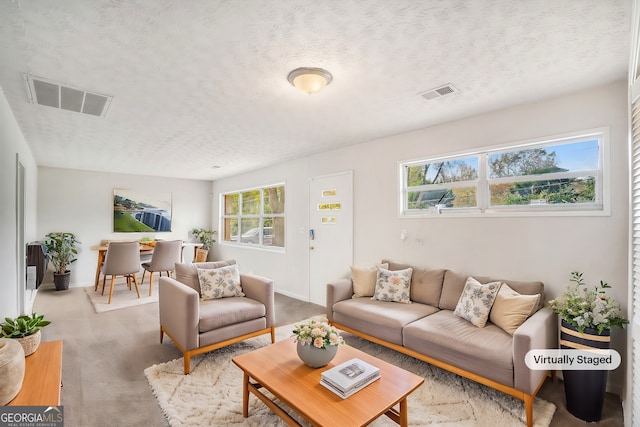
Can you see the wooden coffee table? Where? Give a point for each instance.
(278, 369)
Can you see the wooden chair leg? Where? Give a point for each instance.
(161, 334)
(135, 281)
(151, 282)
(113, 279)
(144, 270)
(104, 279)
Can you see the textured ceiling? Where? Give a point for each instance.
(204, 83)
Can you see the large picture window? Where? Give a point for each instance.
(254, 217)
(564, 174)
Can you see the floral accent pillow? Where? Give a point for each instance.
(220, 282)
(476, 301)
(393, 285)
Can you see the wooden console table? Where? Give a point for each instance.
(42, 377)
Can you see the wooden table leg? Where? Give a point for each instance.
(245, 396)
(100, 260)
(404, 413)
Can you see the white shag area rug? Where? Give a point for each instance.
(122, 296)
(212, 394)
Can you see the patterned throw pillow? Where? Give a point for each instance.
(393, 285)
(476, 301)
(220, 282)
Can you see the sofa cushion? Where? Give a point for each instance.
(364, 280)
(379, 319)
(511, 309)
(426, 283)
(187, 273)
(223, 282)
(454, 283)
(393, 286)
(217, 313)
(476, 301)
(444, 336)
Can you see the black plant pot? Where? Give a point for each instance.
(584, 390)
(62, 280)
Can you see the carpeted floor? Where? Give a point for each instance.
(104, 357)
(443, 400)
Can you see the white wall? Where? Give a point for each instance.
(81, 202)
(532, 248)
(12, 142)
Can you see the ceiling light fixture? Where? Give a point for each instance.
(309, 80)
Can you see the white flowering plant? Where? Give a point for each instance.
(318, 334)
(585, 308)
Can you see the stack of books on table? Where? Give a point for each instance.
(349, 377)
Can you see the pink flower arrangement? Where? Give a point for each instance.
(318, 334)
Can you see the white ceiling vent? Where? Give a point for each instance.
(53, 94)
(439, 91)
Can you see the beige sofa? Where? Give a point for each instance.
(428, 329)
(196, 326)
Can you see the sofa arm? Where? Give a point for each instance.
(260, 289)
(337, 291)
(538, 332)
(179, 307)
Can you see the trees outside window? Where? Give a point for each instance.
(553, 175)
(254, 217)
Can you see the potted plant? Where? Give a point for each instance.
(205, 237)
(587, 316)
(26, 330)
(61, 250)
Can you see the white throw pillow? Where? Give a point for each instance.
(511, 309)
(220, 282)
(476, 301)
(393, 285)
(364, 280)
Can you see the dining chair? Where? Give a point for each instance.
(122, 259)
(165, 255)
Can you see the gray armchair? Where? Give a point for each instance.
(196, 326)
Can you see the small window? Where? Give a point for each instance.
(254, 217)
(555, 175)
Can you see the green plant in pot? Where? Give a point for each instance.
(25, 329)
(205, 237)
(61, 251)
(587, 316)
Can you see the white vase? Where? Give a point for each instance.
(30, 343)
(315, 357)
(11, 369)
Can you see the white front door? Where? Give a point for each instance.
(330, 232)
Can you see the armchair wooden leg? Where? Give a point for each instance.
(187, 363)
(273, 334)
(161, 334)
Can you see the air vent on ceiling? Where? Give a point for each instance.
(53, 94)
(439, 91)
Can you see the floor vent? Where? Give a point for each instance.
(53, 94)
(439, 91)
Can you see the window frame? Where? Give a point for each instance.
(601, 206)
(261, 216)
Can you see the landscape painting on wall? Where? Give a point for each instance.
(141, 211)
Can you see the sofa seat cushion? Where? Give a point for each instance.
(486, 351)
(380, 319)
(217, 313)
